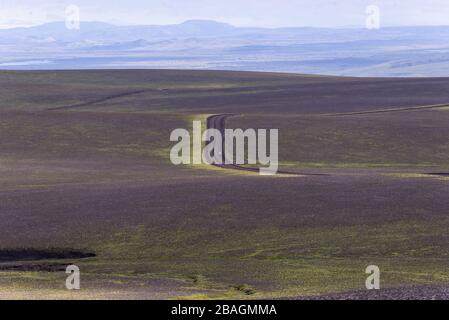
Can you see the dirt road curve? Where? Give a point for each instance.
(219, 122)
(434, 292)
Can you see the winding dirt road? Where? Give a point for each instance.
(218, 122)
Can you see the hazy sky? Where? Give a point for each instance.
(264, 13)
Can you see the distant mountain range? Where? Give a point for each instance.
(202, 44)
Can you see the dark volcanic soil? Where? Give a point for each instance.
(36, 254)
(84, 163)
(406, 293)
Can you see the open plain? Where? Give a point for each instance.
(86, 179)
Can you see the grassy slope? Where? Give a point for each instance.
(101, 180)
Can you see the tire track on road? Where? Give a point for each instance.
(389, 110)
(88, 103)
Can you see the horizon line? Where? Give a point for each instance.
(225, 23)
